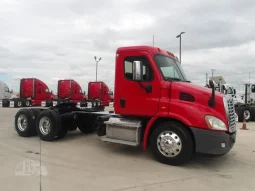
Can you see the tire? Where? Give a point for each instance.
(18, 103)
(27, 103)
(48, 125)
(61, 134)
(252, 113)
(25, 123)
(175, 131)
(241, 111)
(36, 112)
(68, 122)
(86, 124)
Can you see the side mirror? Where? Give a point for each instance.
(137, 71)
(11, 91)
(51, 91)
(234, 91)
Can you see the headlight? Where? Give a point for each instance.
(215, 123)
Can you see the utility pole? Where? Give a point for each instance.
(180, 36)
(97, 65)
(206, 79)
(212, 72)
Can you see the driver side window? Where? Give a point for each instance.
(128, 68)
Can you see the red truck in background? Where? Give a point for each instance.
(68, 91)
(32, 92)
(99, 90)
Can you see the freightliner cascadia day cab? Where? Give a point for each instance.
(99, 90)
(68, 91)
(154, 106)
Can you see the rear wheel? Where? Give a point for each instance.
(18, 103)
(27, 103)
(48, 125)
(172, 144)
(62, 134)
(86, 124)
(25, 123)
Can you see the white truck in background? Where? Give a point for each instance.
(243, 103)
(5, 95)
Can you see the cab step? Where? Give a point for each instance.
(104, 138)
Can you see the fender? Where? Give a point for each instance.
(152, 121)
(147, 130)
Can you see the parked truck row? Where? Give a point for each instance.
(154, 106)
(34, 92)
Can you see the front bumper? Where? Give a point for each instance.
(208, 142)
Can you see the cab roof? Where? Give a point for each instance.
(152, 49)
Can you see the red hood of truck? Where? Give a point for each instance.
(197, 89)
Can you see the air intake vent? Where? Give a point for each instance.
(186, 97)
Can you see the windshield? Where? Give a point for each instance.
(171, 69)
(6, 89)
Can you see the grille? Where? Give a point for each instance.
(231, 115)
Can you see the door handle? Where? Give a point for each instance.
(122, 102)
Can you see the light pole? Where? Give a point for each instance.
(180, 36)
(97, 64)
(212, 72)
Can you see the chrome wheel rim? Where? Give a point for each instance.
(169, 144)
(44, 125)
(247, 114)
(22, 122)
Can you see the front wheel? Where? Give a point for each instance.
(172, 143)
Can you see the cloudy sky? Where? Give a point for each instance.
(53, 39)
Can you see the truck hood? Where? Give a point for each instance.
(196, 90)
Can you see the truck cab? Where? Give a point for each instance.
(5, 94)
(99, 90)
(153, 96)
(34, 90)
(70, 89)
(229, 90)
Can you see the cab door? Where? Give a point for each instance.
(132, 98)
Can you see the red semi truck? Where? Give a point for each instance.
(32, 92)
(99, 90)
(154, 106)
(68, 91)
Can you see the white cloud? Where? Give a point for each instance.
(53, 39)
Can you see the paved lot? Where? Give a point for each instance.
(82, 162)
